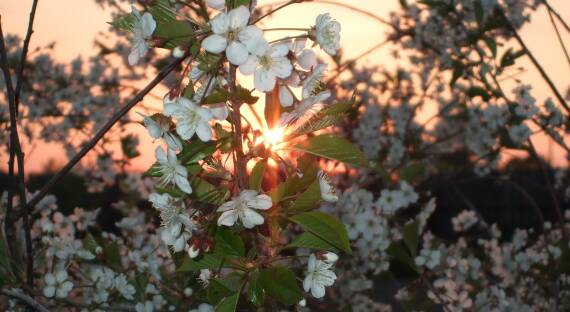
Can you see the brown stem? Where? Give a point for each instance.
(240, 160)
(20, 75)
(114, 119)
(9, 226)
(16, 151)
(553, 11)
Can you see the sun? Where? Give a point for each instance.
(274, 136)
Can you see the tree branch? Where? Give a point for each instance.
(99, 135)
(29, 301)
(241, 162)
(20, 76)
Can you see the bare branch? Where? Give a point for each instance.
(29, 301)
(20, 75)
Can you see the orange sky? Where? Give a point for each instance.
(74, 23)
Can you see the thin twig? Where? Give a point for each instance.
(562, 21)
(20, 76)
(536, 64)
(562, 45)
(114, 119)
(348, 63)
(9, 226)
(29, 301)
(275, 10)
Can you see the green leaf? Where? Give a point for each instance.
(207, 261)
(311, 241)
(112, 256)
(255, 293)
(257, 173)
(217, 291)
(125, 22)
(162, 12)
(205, 192)
(325, 227)
(333, 147)
(478, 91)
(294, 184)
(458, 70)
(228, 244)
(196, 150)
(244, 95)
(413, 171)
(327, 117)
(307, 200)
(228, 304)
(153, 171)
(398, 252)
(492, 44)
(281, 284)
(219, 95)
(479, 12)
(175, 33)
(411, 237)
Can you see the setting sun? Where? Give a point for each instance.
(274, 136)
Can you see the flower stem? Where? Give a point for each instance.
(240, 160)
(285, 28)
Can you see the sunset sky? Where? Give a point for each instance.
(73, 24)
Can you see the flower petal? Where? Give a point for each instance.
(204, 131)
(215, 44)
(264, 80)
(237, 53)
(285, 96)
(261, 202)
(251, 218)
(248, 68)
(228, 218)
(220, 24)
(238, 17)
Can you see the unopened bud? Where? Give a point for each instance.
(193, 251)
(303, 303)
(328, 257)
(178, 52)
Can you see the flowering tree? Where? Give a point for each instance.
(242, 214)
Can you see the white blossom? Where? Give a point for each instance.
(159, 128)
(319, 275)
(171, 170)
(191, 118)
(267, 63)
(232, 35)
(328, 191)
(243, 208)
(327, 33)
(57, 285)
(142, 31)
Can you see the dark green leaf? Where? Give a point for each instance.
(219, 95)
(281, 284)
(228, 304)
(228, 244)
(413, 171)
(112, 256)
(256, 177)
(311, 241)
(325, 227)
(458, 70)
(205, 192)
(411, 237)
(479, 13)
(333, 147)
(196, 150)
(308, 200)
(244, 95)
(478, 91)
(125, 22)
(207, 261)
(255, 293)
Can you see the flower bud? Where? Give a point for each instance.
(207, 245)
(193, 251)
(188, 291)
(328, 257)
(303, 302)
(178, 52)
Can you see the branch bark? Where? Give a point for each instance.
(25, 48)
(240, 160)
(29, 301)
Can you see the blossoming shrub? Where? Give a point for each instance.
(238, 214)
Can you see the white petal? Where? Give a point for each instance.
(160, 155)
(261, 202)
(49, 291)
(148, 25)
(281, 67)
(215, 44)
(249, 35)
(285, 96)
(251, 218)
(49, 279)
(307, 59)
(60, 276)
(238, 17)
(237, 53)
(279, 50)
(264, 80)
(220, 24)
(258, 46)
(307, 283)
(248, 68)
(220, 112)
(228, 218)
(183, 184)
(227, 206)
(133, 57)
(216, 4)
(318, 290)
(204, 131)
(186, 130)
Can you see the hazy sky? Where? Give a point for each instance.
(74, 23)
